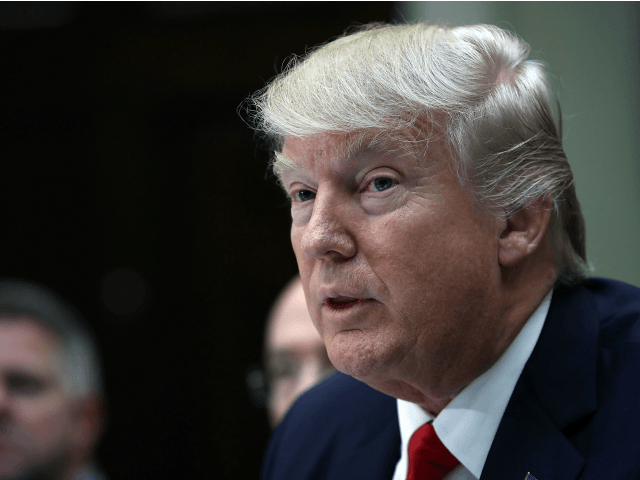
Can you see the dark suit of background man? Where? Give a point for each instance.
(442, 253)
(50, 388)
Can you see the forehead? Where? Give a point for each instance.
(335, 150)
(25, 343)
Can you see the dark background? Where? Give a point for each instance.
(130, 185)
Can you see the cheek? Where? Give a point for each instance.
(44, 420)
(296, 242)
(305, 263)
(296, 238)
(399, 250)
(423, 260)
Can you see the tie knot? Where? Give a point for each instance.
(429, 459)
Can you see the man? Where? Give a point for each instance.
(50, 388)
(295, 356)
(441, 250)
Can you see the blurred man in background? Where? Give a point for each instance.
(295, 355)
(50, 388)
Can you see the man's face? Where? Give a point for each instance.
(295, 353)
(400, 272)
(35, 412)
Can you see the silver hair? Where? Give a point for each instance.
(80, 363)
(472, 84)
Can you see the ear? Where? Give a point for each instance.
(88, 423)
(522, 233)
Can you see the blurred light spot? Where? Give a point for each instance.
(124, 291)
(257, 385)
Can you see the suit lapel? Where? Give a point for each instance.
(556, 390)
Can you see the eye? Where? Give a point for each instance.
(382, 183)
(283, 369)
(304, 195)
(24, 384)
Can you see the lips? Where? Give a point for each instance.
(341, 296)
(341, 303)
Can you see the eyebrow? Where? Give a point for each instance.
(280, 164)
(358, 144)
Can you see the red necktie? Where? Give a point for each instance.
(429, 459)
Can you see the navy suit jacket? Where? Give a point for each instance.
(574, 413)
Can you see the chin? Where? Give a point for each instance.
(353, 353)
(360, 370)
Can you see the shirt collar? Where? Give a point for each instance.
(468, 424)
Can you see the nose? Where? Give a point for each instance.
(328, 234)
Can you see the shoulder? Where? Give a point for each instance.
(332, 428)
(601, 313)
(341, 396)
(577, 395)
(340, 404)
(618, 365)
(618, 305)
(611, 313)
(614, 306)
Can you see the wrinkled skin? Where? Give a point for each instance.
(402, 276)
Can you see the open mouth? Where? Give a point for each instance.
(339, 303)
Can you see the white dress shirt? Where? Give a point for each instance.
(467, 425)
